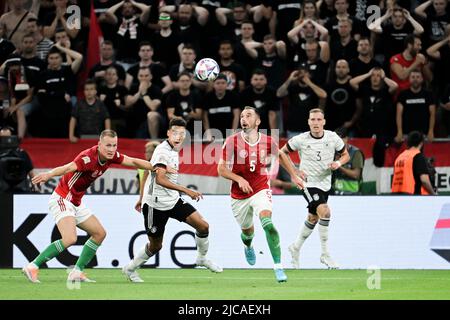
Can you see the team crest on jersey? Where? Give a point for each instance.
(86, 160)
(153, 229)
(96, 174)
(243, 154)
(315, 197)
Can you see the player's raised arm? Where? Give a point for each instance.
(137, 163)
(58, 171)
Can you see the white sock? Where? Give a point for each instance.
(305, 232)
(139, 259)
(202, 245)
(277, 266)
(323, 234)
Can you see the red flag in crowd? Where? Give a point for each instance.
(92, 56)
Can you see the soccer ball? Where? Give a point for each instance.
(207, 69)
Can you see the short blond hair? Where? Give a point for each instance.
(108, 133)
(315, 110)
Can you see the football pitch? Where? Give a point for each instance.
(236, 284)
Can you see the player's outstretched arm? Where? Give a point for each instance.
(223, 171)
(137, 163)
(164, 182)
(58, 171)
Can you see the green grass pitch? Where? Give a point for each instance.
(186, 284)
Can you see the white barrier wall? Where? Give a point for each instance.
(388, 232)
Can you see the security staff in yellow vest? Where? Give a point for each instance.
(347, 179)
(411, 173)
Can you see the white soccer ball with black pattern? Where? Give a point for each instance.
(207, 69)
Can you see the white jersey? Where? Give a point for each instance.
(315, 156)
(155, 195)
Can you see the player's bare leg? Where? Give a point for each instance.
(146, 252)
(201, 239)
(247, 237)
(323, 211)
(95, 229)
(273, 240)
(67, 229)
(305, 232)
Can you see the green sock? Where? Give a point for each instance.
(88, 252)
(49, 253)
(273, 239)
(247, 239)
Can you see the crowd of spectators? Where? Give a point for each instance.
(378, 68)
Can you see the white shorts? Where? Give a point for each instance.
(61, 208)
(244, 209)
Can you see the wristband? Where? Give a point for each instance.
(339, 163)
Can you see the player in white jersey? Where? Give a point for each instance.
(317, 149)
(161, 201)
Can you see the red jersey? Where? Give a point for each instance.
(400, 59)
(73, 186)
(250, 161)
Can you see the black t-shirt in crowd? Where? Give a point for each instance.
(56, 83)
(183, 105)
(101, 7)
(358, 67)
(138, 112)
(166, 49)
(176, 69)
(100, 67)
(445, 99)
(33, 68)
(111, 94)
(6, 48)
(235, 73)
(416, 110)
(340, 106)
(242, 58)
(287, 12)
(157, 70)
(220, 111)
(263, 102)
(419, 167)
(90, 117)
(190, 34)
(435, 25)
(442, 67)
(301, 100)
(378, 111)
(318, 71)
(127, 43)
(392, 40)
(347, 52)
(274, 67)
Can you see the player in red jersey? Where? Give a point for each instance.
(68, 210)
(250, 152)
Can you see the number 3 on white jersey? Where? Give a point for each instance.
(252, 165)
